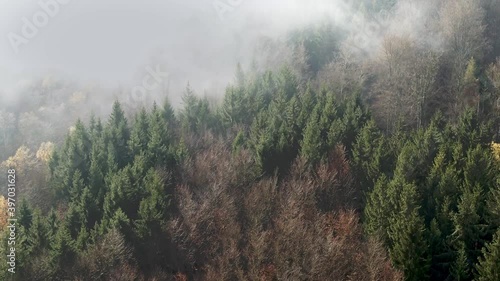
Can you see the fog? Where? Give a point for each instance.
(56, 53)
(110, 42)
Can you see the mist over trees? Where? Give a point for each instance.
(346, 150)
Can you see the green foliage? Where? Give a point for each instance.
(319, 42)
(369, 155)
(140, 138)
(159, 140)
(487, 268)
(118, 135)
(62, 254)
(196, 115)
(255, 188)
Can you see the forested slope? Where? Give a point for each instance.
(332, 166)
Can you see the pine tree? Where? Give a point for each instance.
(77, 186)
(25, 214)
(287, 82)
(118, 135)
(461, 268)
(369, 156)
(493, 206)
(168, 114)
(139, 137)
(307, 101)
(153, 207)
(120, 222)
(62, 253)
(98, 170)
(354, 119)
(37, 235)
(159, 140)
(82, 239)
(488, 266)
(91, 212)
(378, 209)
(312, 147)
(74, 219)
(469, 225)
(123, 194)
(409, 249)
(78, 153)
(239, 142)
(189, 115)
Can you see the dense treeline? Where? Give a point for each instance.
(208, 194)
(276, 183)
(330, 168)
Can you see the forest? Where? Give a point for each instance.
(320, 161)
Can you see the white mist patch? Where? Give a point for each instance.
(108, 42)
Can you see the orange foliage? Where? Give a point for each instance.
(3, 213)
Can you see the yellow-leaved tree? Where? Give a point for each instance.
(32, 174)
(3, 213)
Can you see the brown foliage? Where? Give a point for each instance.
(108, 259)
(233, 226)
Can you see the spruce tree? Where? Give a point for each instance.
(312, 147)
(409, 249)
(62, 253)
(488, 268)
(159, 140)
(139, 136)
(118, 135)
(368, 155)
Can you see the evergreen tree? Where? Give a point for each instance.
(312, 147)
(98, 170)
(25, 214)
(159, 140)
(378, 209)
(37, 238)
(409, 248)
(153, 207)
(168, 114)
(62, 254)
(461, 268)
(91, 212)
(369, 156)
(118, 135)
(488, 266)
(139, 137)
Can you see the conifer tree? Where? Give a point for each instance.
(307, 101)
(461, 268)
(37, 234)
(409, 249)
(354, 119)
(74, 220)
(153, 207)
(139, 136)
(118, 135)
(168, 114)
(159, 139)
(312, 147)
(378, 209)
(25, 214)
(488, 266)
(239, 141)
(62, 254)
(98, 170)
(89, 208)
(368, 155)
